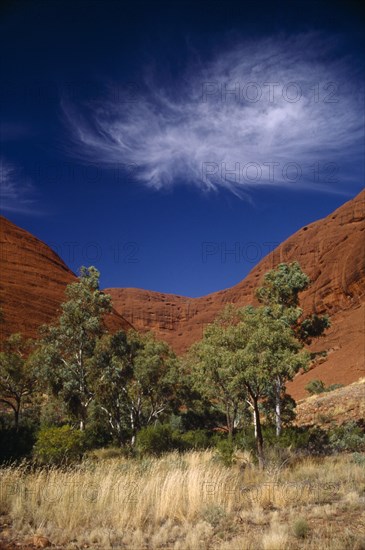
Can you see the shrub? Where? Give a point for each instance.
(315, 386)
(300, 528)
(16, 445)
(348, 437)
(195, 439)
(59, 445)
(226, 449)
(318, 442)
(245, 439)
(155, 440)
(293, 437)
(213, 514)
(332, 387)
(358, 458)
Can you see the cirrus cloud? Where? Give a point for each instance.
(17, 194)
(280, 111)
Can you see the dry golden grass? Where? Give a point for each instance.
(188, 501)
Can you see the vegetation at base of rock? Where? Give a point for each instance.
(318, 386)
(81, 388)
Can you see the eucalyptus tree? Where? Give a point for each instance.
(136, 381)
(279, 293)
(18, 380)
(67, 350)
(239, 358)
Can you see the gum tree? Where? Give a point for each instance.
(239, 357)
(135, 380)
(279, 294)
(17, 376)
(67, 350)
(211, 374)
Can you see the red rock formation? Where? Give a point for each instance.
(32, 283)
(331, 251)
(33, 279)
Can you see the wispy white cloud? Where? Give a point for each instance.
(280, 111)
(17, 194)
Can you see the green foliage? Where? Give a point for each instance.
(226, 449)
(280, 296)
(359, 458)
(348, 437)
(138, 383)
(64, 359)
(317, 386)
(312, 326)
(97, 431)
(333, 387)
(59, 445)
(301, 528)
(240, 355)
(156, 440)
(195, 439)
(288, 406)
(282, 285)
(53, 412)
(318, 442)
(214, 514)
(17, 374)
(291, 437)
(244, 355)
(245, 438)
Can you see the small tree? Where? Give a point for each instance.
(66, 355)
(135, 380)
(17, 375)
(265, 349)
(280, 295)
(239, 358)
(211, 373)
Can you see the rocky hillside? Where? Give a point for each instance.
(331, 251)
(32, 283)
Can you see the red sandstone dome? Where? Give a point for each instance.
(331, 251)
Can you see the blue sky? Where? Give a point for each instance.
(174, 145)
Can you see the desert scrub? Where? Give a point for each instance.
(59, 445)
(348, 437)
(300, 528)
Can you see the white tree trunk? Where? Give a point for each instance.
(255, 423)
(278, 406)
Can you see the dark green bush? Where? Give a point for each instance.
(195, 439)
(16, 445)
(293, 437)
(318, 386)
(156, 440)
(226, 449)
(59, 445)
(318, 443)
(315, 386)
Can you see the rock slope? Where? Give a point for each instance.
(33, 280)
(331, 251)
